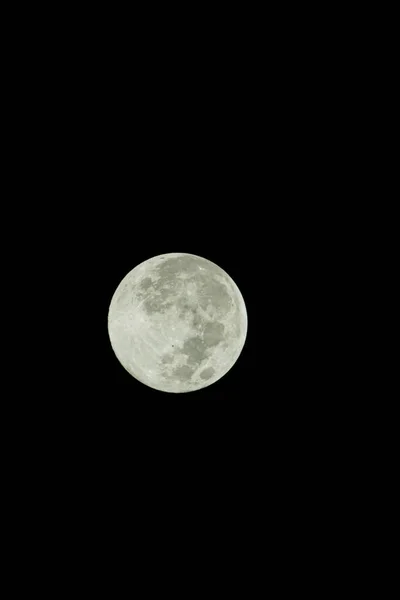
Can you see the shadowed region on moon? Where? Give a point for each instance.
(177, 322)
(207, 373)
(183, 373)
(146, 283)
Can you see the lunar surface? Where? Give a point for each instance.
(177, 322)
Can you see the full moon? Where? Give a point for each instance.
(177, 322)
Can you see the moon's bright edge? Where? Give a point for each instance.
(177, 322)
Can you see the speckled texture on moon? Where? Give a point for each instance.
(177, 322)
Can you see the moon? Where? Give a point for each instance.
(177, 322)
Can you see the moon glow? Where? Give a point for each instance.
(177, 322)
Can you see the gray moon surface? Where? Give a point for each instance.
(177, 322)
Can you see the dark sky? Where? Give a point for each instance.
(130, 146)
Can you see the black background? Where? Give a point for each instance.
(236, 152)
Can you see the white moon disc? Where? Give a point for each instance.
(177, 322)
